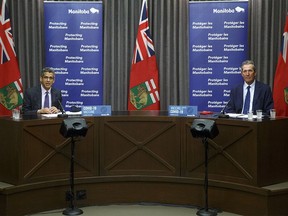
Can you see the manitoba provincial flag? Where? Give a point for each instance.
(280, 87)
(11, 90)
(144, 81)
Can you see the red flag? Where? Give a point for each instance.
(144, 82)
(11, 90)
(280, 87)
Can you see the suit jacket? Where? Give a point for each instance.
(33, 99)
(263, 99)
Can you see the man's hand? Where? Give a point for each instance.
(53, 109)
(48, 110)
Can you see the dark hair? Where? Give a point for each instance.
(47, 69)
(246, 62)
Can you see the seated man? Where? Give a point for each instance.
(43, 98)
(259, 94)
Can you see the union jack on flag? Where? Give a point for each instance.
(6, 38)
(11, 91)
(144, 79)
(144, 47)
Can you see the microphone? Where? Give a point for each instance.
(63, 115)
(222, 113)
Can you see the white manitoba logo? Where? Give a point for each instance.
(83, 11)
(239, 9)
(229, 10)
(94, 10)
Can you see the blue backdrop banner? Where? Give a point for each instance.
(218, 44)
(73, 48)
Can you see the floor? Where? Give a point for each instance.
(135, 210)
(142, 209)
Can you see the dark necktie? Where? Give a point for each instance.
(247, 101)
(46, 100)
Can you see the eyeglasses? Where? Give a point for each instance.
(47, 77)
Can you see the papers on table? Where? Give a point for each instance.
(74, 113)
(54, 115)
(237, 115)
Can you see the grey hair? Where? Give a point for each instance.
(246, 62)
(47, 69)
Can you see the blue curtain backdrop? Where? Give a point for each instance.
(169, 27)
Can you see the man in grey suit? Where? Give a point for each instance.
(260, 95)
(43, 99)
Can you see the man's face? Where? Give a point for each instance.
(47, 80)
(248, 73)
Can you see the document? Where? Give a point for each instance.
(55, 115)
(237, 115)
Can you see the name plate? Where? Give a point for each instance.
(183, 110)
(98, 110)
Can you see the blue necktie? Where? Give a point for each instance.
(46, 100)
(247, 101)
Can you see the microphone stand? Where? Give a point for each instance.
(72, 210)
(206, 211)
(63, 115)
(222, 113)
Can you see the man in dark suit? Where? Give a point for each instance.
(260, 94)
(43, 99)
